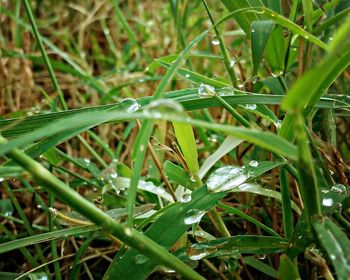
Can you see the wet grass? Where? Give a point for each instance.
(181, 139)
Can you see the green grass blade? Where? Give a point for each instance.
(336, 244)
(240, 244)
(261, 266)
(44, 237)
(185, 137)
(288, 270)
(259, 35)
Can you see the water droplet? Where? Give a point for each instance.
(327, 202)
(2, 179)
(140, 259)
(261, 256)
(330, 39)
(8, 214)
(241, 85)
(306, 37)
(215, 41)
(332, 257)
(127, 231)
(186, 198)
(193, 178)
(129, 105)
(169, 270)
(338, 207)
(278, 124)
(273, 14)
(187, 75)
(250, 106)
(109, 176)
(142, 148)
(253, 163)
(205, 90)
(338, 189)
(226, 91)
(193, 216)
(232, 63)
(253, 30)
(196, 257)
(227, 178)
(255, 79)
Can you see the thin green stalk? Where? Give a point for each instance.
(130, 236)
(20, 222)
(44, 54)
(227, 62)
(25, 221)
(53, 76)
(308, 182)
(92, 151)
(308, 10)
(288, 223)
(53, 243)
(143, 136)
(342, 221)
(23, 250)
(232, 111)
(248, 218)
(131, 35)
(17, 30)
(100, 142)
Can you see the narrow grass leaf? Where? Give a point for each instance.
(259, 35)
(288, 270)
(185, 138)
(261, 266)
(45, 237)
(336, 244)
(241, 244)
(227, 145)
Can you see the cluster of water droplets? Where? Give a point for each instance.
(200, 251)
(226, 91)
(205, 90)
(227, 178)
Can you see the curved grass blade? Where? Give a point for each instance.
(44, 237)
(188, 98)
(259, 35)
(336, 244)
(239, 244)
(261, 266)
